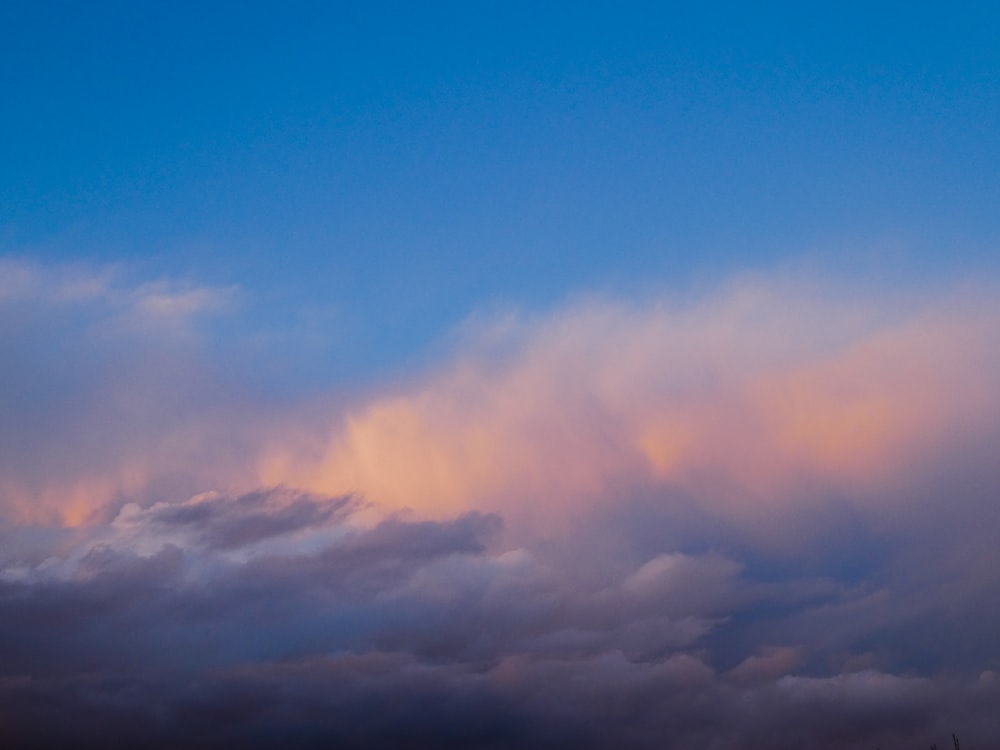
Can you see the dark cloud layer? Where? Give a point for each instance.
(192, 625)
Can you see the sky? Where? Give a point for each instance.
(495, 375)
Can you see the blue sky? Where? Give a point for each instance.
(392, 168)
(493, 375)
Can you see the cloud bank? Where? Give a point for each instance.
(763, 517)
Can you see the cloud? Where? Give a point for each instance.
(24, 280)
(764, 518)
(404, 632)
(168, 303)
(413, 633)
(107, 289)
(227, 523)
(766, 405)
(109, 392)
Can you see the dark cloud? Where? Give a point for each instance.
(392, 700)
(226, 523)
(175, 626)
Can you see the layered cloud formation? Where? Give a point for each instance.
(762, 517)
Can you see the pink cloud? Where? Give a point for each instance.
(745, 399)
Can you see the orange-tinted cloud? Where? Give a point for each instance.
(746, 398)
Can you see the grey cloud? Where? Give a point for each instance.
(431, 634)
(229, 523)
(276, 616)
(391, 700)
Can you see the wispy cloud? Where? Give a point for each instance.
(108, 389)
(22, 279)
(108, 289)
